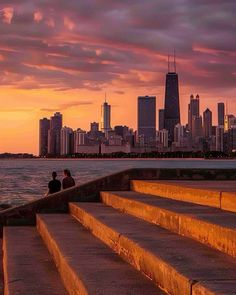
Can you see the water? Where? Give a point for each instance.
(26, 180)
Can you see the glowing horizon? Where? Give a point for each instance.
(65, 56)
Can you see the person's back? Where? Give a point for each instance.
(68, 181)
(54, 185)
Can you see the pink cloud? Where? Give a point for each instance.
(38, 16)
(7, 14)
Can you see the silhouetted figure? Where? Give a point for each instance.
(68, 180)
(54, 185)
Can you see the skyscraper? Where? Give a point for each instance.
(207, 123)
(161, 120)
(197, 128)
(105, 118)
(221, 113)
(66, 141)
(172, 109)
(193, 111)
(147, 118)
(44, 125)
(220, 138)
(94, 127)
(54, 134)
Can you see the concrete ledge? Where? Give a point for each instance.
(207, 225)
(28, 267)
(86, 265)
(175, 263)
(177, 192)
(215, 288)
(89, 191)
(228, 201)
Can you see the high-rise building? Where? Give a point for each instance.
(105, 118)
(44, 126)
(163, 138)
(220, 138)
(221, 113)
(207, 123)
(54, 134)
(179, 135)
(147, 118)
(66, 141)
(172, 109)
(94, 127)
(193, 111)
(122, 131)
(161, 119)
(80, 139)
(197, 128)
(228, 122)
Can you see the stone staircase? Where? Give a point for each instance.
(158, 238)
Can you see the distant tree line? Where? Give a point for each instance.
(156, 155)
(16, 156)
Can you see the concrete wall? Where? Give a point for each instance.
(89, 192)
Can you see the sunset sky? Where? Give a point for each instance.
(58, 55)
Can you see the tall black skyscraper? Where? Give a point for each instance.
(221, 113)
(172, 109)
(147, 118)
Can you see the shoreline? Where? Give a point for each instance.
(117, 159)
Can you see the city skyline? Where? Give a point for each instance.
(52, 59)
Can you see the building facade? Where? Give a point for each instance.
(172, 108)
(44, 126)
(147, 118)
(207, 123)
(54, 134)
(105, 118)
(66, 141)
(221, 113)
(161, 119)
(193, 111)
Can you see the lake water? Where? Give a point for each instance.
(25, 180)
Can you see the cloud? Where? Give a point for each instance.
(119, 92)
(95, 44)
(7, 14)
(66, 106)
(38, 16)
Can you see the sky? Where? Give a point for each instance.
(58, 55)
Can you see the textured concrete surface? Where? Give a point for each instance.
(86, 265)
(28, 267)
(176, 263)
(220, 194)
(228, 201)
(215, 288)
(208, 225)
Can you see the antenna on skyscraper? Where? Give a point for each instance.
(226, 106)
(105, 97)
(174, 62)
(168, 63)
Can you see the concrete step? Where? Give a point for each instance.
(178, 264)
(86, 265)
(219, 194)
(208, 225)
(28, 267)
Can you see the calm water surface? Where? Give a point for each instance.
(25, 180)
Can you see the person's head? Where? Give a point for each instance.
(67, 172)
(54, 174)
